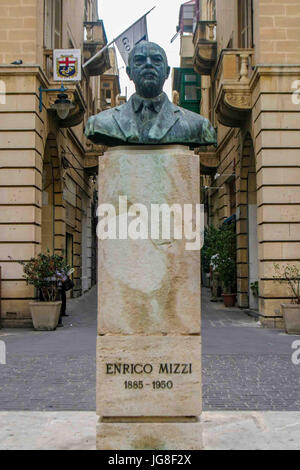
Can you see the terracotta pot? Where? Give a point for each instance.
(229, 300)
(291, 316)
(45, 315)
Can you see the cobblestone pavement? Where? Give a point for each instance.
(245, 367)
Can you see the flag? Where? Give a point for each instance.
(131, 37)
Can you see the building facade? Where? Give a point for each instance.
(247, 55)
(48, 192)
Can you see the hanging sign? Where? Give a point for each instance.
(67, 65)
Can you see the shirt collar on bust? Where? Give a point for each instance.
(157, 102)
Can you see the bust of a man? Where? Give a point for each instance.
(149, 117)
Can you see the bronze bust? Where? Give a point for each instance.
(149, 118)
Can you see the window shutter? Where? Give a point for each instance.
(57, 24)
(48, 24)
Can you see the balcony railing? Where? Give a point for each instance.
(205, 47)
(232, 76)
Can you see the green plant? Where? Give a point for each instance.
(221, 242)
(254, 288)
(211, 235)
(289, 274)
(226, 259)
(44, 273)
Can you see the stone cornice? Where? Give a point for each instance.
(33, 70)
(273, 70)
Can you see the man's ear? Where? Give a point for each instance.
(128, 70)
(168, 72)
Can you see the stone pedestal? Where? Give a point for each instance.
(149, 343)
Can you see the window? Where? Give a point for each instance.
(245, 19)
(53, 24)
(191, 90)
(186, 18)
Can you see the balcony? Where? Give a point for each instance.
(209, 161)
(233, 74)
(74, 93)
(205, 47)
(92, 153)
(94, 40)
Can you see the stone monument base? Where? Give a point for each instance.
(149, 433)
(149, 342)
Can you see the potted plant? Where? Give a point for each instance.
(255, 288)
(44, 273)
(208, 255)
(290, 274)
(226, 263)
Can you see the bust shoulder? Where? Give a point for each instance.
(103, 124)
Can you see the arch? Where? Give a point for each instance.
(247, 241)
(53, 209)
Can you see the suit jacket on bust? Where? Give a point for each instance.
(173, 125)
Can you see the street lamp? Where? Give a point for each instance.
(62, 105)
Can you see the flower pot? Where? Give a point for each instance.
(45, 315)
(291, 316)
(229, 300)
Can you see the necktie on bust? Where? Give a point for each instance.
(147, 111)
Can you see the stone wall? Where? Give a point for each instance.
(264, 148)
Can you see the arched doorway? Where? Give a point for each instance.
(247, 238)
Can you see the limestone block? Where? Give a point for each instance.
(242, 270)
(27, 214)
(278, 195)
(20, 177)
(272, 307)
(157, 280)
(242, 255)
(242, 285)
(20, 196)
(278, 213)
(275, 157)
(272, 102)
(267, 268)
(15, 306)
(17, 289)
(282, 176)
(18, 121)
(149, 436)
(20, 233)
(279, 232)
(166, 370)
(243, 300)
(18, 251)
(20, 158)
(271, 288)
(283, 250)
(11, 270)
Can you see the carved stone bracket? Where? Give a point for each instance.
(233, 104)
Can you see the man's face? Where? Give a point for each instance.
(149, 70)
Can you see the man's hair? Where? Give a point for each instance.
(143, 43)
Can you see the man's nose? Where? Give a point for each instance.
(149, 61)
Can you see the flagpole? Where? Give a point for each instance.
(115, 39)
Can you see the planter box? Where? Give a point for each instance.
(229, 300)
(45, 315)
(291, 315)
